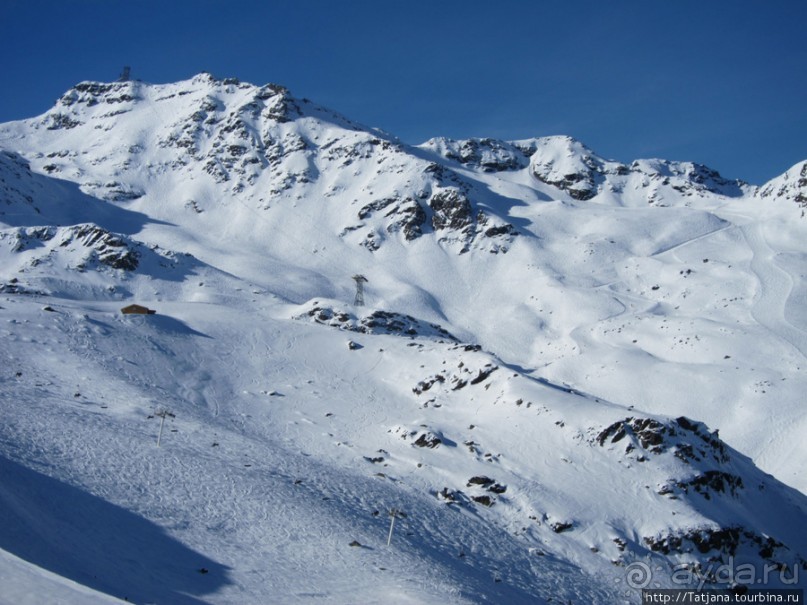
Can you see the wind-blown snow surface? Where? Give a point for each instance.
(550, 343)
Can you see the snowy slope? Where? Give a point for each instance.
(546, 334)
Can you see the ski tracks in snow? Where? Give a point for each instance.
(769, 308)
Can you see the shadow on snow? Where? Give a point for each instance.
(84, 538)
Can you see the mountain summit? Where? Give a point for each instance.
(568, 370)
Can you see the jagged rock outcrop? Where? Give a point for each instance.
(267, 147)
(709, 472)
(792, 185)
(93, 246)
(573, 168)
(375, 322)
(488, 155)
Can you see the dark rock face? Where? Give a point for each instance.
(726, 541)
(715, 481)
(650, 433)
(60, 121)
(690, 441)
(406, 215)
(92, 93)
(801, 195)
(452, 210)
(111, 249)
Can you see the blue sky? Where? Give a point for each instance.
(723, 83)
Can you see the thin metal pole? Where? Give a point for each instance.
(391, 525)
(159, 436)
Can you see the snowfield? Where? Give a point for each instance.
(568, 371)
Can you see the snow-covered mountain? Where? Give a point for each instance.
(568, 371)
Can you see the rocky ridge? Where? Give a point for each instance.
(236, 166)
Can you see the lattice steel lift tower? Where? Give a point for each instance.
(360, 280)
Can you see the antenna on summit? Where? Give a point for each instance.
(360, 280)
(124, 77)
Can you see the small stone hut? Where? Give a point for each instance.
(137, 310)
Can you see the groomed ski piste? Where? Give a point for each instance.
(567, 370)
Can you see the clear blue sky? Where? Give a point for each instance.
(722, 83)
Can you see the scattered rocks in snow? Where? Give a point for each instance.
(490, 485)
(792, 185)
(14, 287)
(450, 496)
(483, 373)
(244, 142)
(690, 442)
(427, 383)
(706, 483)
(458, 379)
(377, 322)
(423, 437)
(723, 541)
